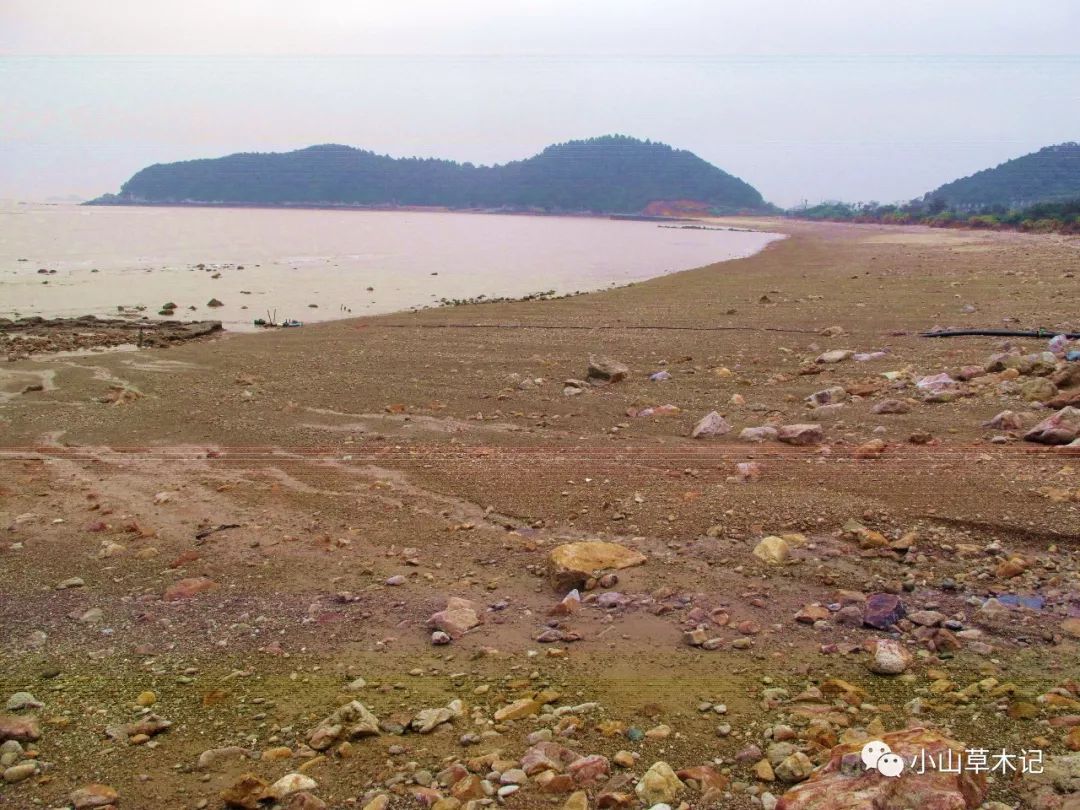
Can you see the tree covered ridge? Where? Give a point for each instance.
(609, 174)
(1050, 175)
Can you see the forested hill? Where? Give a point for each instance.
(612, 174)
(1049, 175)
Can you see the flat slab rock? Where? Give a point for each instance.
(844, 783)
(573, 563)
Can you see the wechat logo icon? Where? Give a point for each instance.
(877, 756)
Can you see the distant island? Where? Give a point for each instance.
(614, 174)
(1050, 175)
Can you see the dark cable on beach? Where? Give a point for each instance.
(1036, 333)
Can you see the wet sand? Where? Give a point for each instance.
(237, 265)
(440, 447)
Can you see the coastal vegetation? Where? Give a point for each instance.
(1051, 174)
(1043, 217)
(1038, 193)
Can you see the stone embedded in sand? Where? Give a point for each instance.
(305, 801)
(569, 604)
(889, 657)
(245, 793)
(574, 563)
(547, 756)
(883, 610)
(145, 727)
(459, 616)
(1057, 787)
(1071, 627)
(605, 369)
(765, 433)
(711, 424)
(1038, 389)
(891, 406)
(794, 768)
(525, 707)
(21, 701)
(288, 784)
(24, 770)
(1006, 420)
(213, 758)
(835, 356)
(871, 449)
(773, 550)
(812, 613)
(427, 720)
(926, 618)
(20, 729)
(828, 396)
(845, 784)
(801, 435)
(1061, 428)
(93, 795)
(347, 722)
(1012, 567)
(188, 588)
(659, 785)
(589, 770)
(705, 775)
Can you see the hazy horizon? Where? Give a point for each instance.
(836, 101)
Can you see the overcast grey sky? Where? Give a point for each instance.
(805, 100)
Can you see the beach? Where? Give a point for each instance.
(243, 526)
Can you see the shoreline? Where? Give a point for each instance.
(420, 209)
(355, 270)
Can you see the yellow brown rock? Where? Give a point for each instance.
(572, 564)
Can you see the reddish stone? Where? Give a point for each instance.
(547, 756)
(706, 776)
(20, 729)
(883, 610)
(94, 796)
(589, 770)
(1061, 428)
(458, 618)
(188, 588)
(844, 784)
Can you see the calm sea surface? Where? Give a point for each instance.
(284, 261)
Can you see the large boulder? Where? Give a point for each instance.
(845, 783)
(574, 563)
(1061, 428)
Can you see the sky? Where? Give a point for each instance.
(830, 99)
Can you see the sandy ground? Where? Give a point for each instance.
(420, 445)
